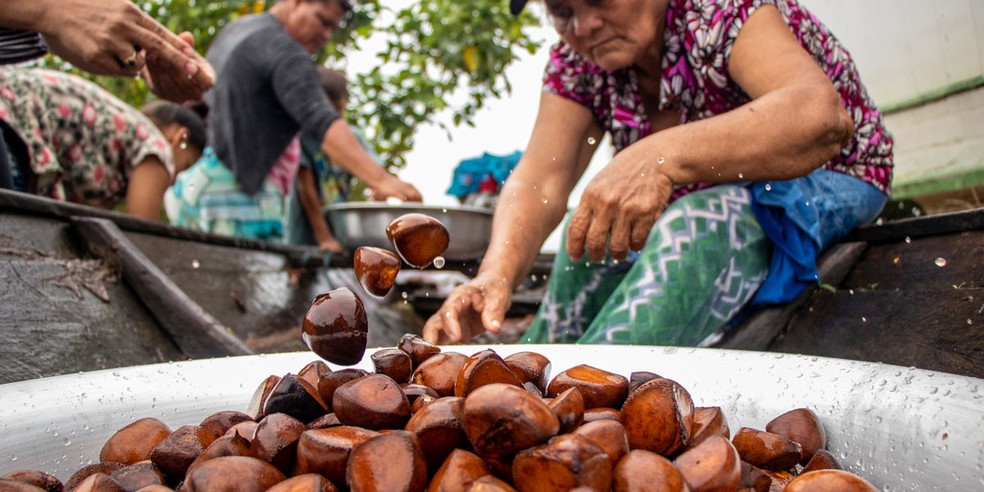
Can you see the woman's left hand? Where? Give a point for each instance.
(619, 207)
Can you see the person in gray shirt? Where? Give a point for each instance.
(267, 92)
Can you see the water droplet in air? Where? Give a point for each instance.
(660, 160)
(908, 240)
(864, 319)
(545, 201)
(768, 187)
(940, 262)
(439, 262)
(592, 141)
(741, 176)
(405, 295)
(195, 264)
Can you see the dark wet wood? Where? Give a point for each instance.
(762, 327)
(49, 328)
(194, 331)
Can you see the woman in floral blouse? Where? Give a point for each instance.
(745, 144)
(71, 140)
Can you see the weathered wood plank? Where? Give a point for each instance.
(51, 323)
(764, 326)
(924, 263)
(195, 331)
(898, 230)
(930, 329)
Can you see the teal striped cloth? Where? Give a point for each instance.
(206, 197)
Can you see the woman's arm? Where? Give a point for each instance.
(795, 123)
(149, 181)
(307, 193)
(342, 146)
(531, 204)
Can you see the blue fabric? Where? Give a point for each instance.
(803, 217)
(469, 172)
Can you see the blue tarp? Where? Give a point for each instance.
(469, 172)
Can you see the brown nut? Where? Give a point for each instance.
(645, 471)
(418, 238)
(530, 367)
(637, 378)
(658, 417)
(440, 372)
(602, 413)
(391, 461)
(569, 409)
(275, 440)
(829, 481)
(310, 482)
(313, 371)
(177, 451)
(36, 478)
(336, 327)
(220, 422)
(376, 269)
(417, 348)
(501, 419)
(326, 451)
(458, 472)
(374, 402)
(239, 473)
(296, 397)
(483, 367)
(802, 426)
(712, 466)
(708, 421)
(325, 421)
(8, 485)
(394, 363)
(565, 463)
(228, 445)
(821, 460)
(330, 382)
(138, 476)
(609, 435)
(105, 467)
(255, 407)
(243, 429)
(134, 442)
(489, 483)
(98, 482)
(438, 427)
(766, 450)
(599, 388)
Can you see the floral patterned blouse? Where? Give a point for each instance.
(82, 141)
(695, 81)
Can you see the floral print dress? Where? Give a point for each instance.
(695, 82)
(81, 140)
(713, 253)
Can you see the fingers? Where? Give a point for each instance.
(618, 245)
(171, 48)
(577, 231)
(597, 236)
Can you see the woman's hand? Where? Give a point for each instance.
(471, 309)
(619, 207)
(397, 189)
(115, 37)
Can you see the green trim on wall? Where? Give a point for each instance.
(933, 95)
(938, 184)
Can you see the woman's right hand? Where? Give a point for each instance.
(100, 37)
(471, 309)
(397, 189)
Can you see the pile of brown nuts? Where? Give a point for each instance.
(428, 419)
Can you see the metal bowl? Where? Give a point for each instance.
(358, 224)
(901, 428)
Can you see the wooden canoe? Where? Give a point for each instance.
(87, 289)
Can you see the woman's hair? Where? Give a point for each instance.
(164, 113)
(333, 82)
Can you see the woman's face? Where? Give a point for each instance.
(613, 34)
(311, 23)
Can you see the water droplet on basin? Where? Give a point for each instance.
(439, 262)
(940, 262)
